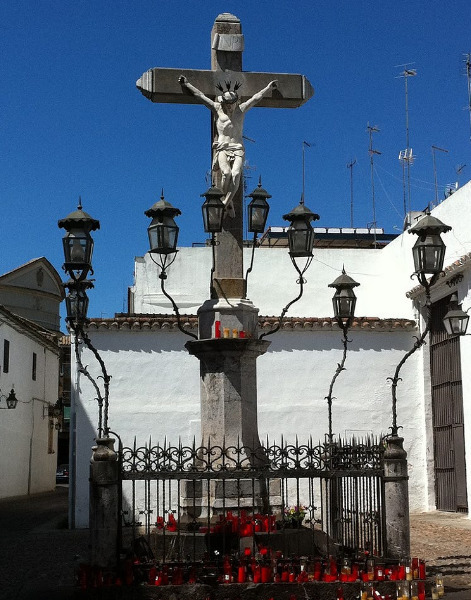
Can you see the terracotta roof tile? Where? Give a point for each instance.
(153, 322)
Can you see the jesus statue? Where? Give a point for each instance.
(228, 149)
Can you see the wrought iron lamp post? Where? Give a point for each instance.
(78, 250)
(301, 243)
(428, 253)
(213, 215)
(163, 238)
(257, 215)
(344, 302)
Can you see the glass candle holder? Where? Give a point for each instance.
(402, 590)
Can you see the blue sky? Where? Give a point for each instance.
(73, 123)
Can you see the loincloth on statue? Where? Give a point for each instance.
(231, 150)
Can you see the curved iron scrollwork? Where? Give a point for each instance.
(277, 460)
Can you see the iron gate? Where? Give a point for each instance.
(189, 501)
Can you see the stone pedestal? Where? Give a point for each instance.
(396, 488)
(104, 504)
(229, 409)
(228, 390)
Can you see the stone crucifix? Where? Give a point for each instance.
(187, 86)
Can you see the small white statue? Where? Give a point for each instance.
(229, 149)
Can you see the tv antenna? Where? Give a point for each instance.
(304, 166)
(407, 158)
(372, 152)
(468, 77)
(350, 166)
(434, 148)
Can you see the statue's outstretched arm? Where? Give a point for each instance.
(183, 81)
(258, 96)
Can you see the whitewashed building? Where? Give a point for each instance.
(29, 363)
(155, 382)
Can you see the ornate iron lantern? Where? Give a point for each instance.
(163, 231)
(300, 232)
(11, 400)
(344, 299)
(429, 249)
(76, 301)
(258, 209)
(78, 243)
(455, 320)
(213, 210)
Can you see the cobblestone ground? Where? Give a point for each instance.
(444, 541)
(38, 554)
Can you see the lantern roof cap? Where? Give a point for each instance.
(259, 192)
(301, 213)
(162, 208)
(429, 223)
(213, 192)
(79, 217)
(344, 281)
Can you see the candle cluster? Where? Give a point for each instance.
(227, 332)
(268, 566)
(245, 525)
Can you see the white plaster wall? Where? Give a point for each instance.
(155, 392)
(26, 465)
(272, 283)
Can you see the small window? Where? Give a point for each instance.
(6, 356)
(35, 359)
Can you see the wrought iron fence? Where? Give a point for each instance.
(190, 502)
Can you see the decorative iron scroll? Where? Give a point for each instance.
(285, 460)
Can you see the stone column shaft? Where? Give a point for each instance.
(396, 489)
(104, 505)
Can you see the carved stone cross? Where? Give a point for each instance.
(161, 85)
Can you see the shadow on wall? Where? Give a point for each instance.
(319, 341)
(159, 341)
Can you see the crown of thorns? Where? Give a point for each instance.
(228, 87)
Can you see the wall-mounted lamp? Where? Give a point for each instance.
(11, 400)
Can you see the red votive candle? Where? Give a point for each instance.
(217, 329)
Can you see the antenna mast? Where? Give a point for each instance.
(372, 152)
(406, 156)
(435, 170)
(468, 77)
(304, 166)
(350, 166)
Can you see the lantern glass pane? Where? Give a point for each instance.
(342, 307)
(258, 213)
(429, 254)
(77, 306)
(78, 247)
(300, 239)
(213, 212)
(163, 236)
(456, 325)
